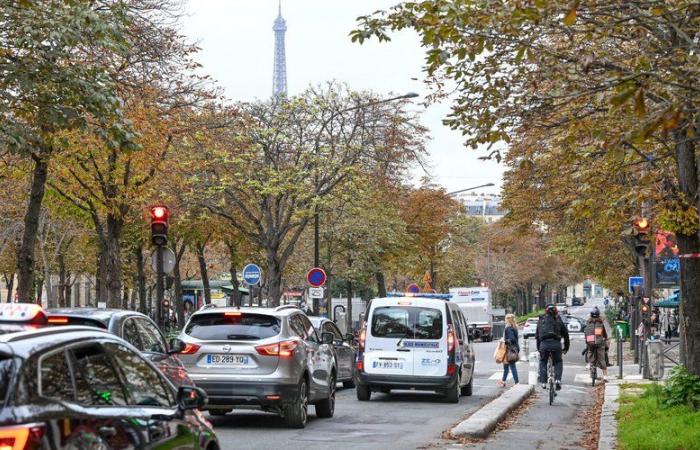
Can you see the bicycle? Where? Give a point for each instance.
(550, 379)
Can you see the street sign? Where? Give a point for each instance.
(635, 282)
(168, 261)
(316, 278)
(316, 292)
(413, 288)
(252, 274)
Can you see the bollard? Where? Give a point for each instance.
(534, 368)
(524, 349)
(619, 356)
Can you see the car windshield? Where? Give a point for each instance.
(232, 327)
(407, 322)
(6, 364)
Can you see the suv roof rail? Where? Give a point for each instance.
(283, 307)
(419, 295)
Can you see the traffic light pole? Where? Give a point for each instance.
(160, 286)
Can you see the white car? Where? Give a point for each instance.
(562, 308)
(530, 328)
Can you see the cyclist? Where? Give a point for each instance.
(597, 342)
(550, 331)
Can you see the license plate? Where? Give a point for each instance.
(234, 360)
(398, 365)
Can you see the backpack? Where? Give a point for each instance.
(594, 333)
(549, 328)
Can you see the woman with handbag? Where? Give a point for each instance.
(510, 337)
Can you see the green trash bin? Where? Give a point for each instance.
(622, 328)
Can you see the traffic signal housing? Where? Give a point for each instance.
(641, 228)
(159, 224)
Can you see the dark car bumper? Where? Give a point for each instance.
(406, 382)
(231, 394)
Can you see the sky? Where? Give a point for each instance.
(237, 43)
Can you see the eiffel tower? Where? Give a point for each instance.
(279, 74)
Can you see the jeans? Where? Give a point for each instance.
(513, 369)
(551, 347)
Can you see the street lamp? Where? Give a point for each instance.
(317, 225)
(449, 194)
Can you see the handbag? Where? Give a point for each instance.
(512, 354)
(500, 354)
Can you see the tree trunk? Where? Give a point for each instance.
(381, 284)
(25, 255)
(348, 308)
(233, 257)
(61, 281)
(689, 314)
(177, 283)
(141, 278)
(38, 287)
(9, 284)
(114, 262)
(204, 272)
(273, 277)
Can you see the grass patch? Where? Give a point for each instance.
(534, 314)
(644, 423)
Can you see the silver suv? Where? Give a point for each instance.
(260, 358)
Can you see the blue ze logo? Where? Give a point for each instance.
(429, 362)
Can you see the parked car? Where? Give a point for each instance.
(576, 301)
(80, 387)
(415, 343)
(344, 346)
(261, 358)
(530, 327)
(135, 328)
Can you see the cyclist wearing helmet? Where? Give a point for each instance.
(597, 342)
(550, 331)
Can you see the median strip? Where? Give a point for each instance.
(480, 424)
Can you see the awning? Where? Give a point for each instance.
(672, 301)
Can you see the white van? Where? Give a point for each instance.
(419, 342)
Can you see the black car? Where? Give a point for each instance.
(78, 387)
(135, 328)
(344, 346)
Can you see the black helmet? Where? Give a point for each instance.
(551, 309)
(595, 313)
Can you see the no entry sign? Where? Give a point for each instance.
(316, 277)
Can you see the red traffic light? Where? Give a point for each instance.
(159, 213)
(641, 225)
(645, 309)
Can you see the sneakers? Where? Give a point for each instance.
(544, 385)
(558, 385)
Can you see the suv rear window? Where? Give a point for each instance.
(232, 327)
(408, 322)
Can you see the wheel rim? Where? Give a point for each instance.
(303, 402)
(331, 398)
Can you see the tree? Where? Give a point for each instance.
(607, 81)
(267, 175)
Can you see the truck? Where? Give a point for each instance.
(476, 305)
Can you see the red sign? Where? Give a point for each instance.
(666, 245)
(316, 277)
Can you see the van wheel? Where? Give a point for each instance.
(452, 394)
(295, 414)
(467, 390)
(363, 392)
(325, 408)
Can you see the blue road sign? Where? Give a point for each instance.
(634, 282)
(252, 274)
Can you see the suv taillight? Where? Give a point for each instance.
(284, 349)
(21, 437)
(190, 349)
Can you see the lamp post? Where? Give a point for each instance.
(317, 225)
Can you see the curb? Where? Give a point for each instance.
(607, 439)
(482, 422)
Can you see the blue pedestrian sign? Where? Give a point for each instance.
(635, 282)
(252, 274)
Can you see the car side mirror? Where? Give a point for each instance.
(190, 397)
(350, 337)
(327, 338)
(175, 346)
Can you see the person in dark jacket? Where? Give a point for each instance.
(510, 337)
(550, 331)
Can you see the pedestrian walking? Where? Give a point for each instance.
(510, 337)
(668, 324)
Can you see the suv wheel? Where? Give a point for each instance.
(452, 395)
(363, 392)
(295, 414)
(325, 408)
(467, 390)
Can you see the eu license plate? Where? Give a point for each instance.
(395, 365)
(234, 360)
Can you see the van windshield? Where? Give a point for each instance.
(408, 322)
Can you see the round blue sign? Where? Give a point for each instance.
(252, 274)
(316, 277)
(413, 288)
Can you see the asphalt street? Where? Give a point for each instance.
(406, 420)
